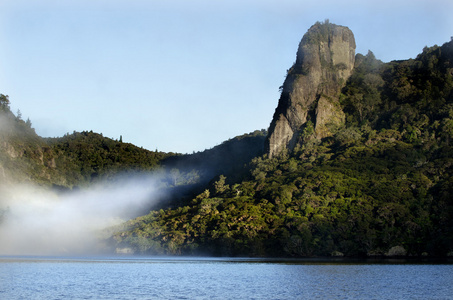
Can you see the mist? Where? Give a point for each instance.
(5, 123)
(39, 221)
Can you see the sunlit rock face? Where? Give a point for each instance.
(325, 60)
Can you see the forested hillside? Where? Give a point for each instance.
(77, 159)
(381, 185)
(81, 159)
(229, 158)
(88, 156)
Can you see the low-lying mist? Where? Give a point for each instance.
(39, 221)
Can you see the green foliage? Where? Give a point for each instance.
(23, 154)
(320, 32)
(72, 160)
(228, 158)
(362, 201)
(362, 95)
(87, 156)
(4, 102)
(381, 184)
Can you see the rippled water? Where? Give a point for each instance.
(208, 278)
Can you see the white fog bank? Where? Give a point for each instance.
(37, 221)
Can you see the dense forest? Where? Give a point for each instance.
(382, 185)
(75, 160)
(80, 159)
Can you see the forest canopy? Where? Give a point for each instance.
(381, 185)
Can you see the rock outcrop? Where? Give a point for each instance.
(325, 60)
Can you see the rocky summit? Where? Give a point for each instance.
(310, 94)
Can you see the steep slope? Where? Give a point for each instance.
(376, 181)
(380, 185)
(310, 93)
(24, 156)
(228, 158)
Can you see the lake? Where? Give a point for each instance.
(219, 278)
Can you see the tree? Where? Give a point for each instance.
(4, 102)
(220, 185)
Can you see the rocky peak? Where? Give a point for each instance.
(324, 62)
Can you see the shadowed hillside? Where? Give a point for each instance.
(357, 162)
(380, 184)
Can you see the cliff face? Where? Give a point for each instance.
(325, 60)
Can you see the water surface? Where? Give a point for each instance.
(212, 278)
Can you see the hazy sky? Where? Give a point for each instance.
(178, 75)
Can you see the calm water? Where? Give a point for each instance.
(208, 278)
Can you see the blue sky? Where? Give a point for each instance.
(181, 76)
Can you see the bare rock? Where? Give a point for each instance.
(325, 60)
(396, 251)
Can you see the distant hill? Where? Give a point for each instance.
(360, 166)
(83, 158)
(74, 160)
(380, 183)
(88, 156)
(229, 158)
